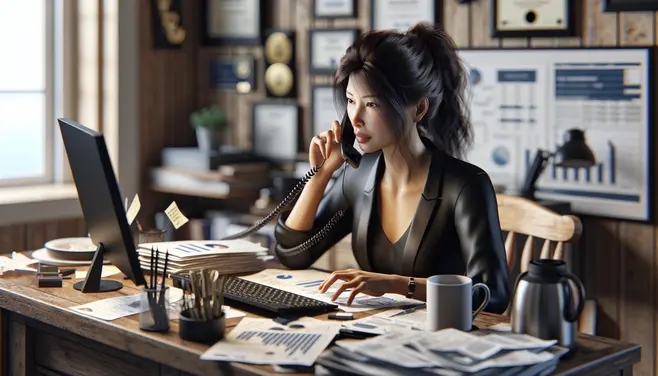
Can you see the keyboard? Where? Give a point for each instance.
(272, 299)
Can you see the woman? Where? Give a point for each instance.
(414, 208)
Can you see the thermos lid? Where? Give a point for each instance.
(547, 268)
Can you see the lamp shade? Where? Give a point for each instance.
(574, 153)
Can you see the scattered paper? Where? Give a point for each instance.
(306, 283)
(263, 341)
(18, 261)
(108, 270)
(448, 351)
(175, 216)
(132, 211)
(114, 308)
(382, 323)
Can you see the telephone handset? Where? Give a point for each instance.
(350, 155)
(347, 138)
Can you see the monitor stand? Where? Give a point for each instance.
(93, 281)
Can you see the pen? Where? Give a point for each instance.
(409, 310)
(65, 272)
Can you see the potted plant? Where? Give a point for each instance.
(208, 123)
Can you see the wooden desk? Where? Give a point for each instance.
(40, 336)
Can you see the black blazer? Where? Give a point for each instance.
(455, 229)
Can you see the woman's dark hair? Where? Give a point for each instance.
(402, 68)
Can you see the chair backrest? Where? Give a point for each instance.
(519, 215)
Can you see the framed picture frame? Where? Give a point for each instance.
(275, 130)
(392, 14)
(240, 24)
(326, 47)
(328, 9)
(322, 110)
(232, 73)
(630, 5)
(556, 18)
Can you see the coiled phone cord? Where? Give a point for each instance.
(290, 198)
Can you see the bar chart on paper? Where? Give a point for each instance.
(294, 342)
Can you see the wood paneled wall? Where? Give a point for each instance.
(31, 236)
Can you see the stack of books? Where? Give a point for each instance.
(227, 256)
(226, 173)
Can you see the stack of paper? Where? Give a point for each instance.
(445, 352)
(227, 256)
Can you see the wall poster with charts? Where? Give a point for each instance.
(521, 100)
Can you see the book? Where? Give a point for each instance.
(192, 158)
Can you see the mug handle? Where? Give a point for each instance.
(487, 294)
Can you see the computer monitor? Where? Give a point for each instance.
(100, 200)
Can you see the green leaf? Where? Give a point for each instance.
(211, 117)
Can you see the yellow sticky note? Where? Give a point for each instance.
(175, 216)
(131, 214)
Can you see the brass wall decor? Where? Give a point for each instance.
(168, 24)
(279, 54)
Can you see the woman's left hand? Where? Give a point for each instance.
(359, 281)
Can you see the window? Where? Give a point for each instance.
(27, 85)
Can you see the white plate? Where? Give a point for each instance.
(71, 245)
(44, 256)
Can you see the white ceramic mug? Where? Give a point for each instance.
(450, 302)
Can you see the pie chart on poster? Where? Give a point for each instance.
(500, 156)
(284, 276)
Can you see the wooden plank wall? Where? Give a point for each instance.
(31, 236)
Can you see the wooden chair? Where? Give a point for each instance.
(520, 216)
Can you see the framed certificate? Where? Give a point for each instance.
(334, 8)
(523, 19)
(230, 22)
(401, 15)
(326, 47)
(323, 109)
(275, 130)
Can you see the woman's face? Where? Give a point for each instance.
(368, 113)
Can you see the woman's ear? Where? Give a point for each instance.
(421, 109)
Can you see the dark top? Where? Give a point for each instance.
(384, 256)
(455, 229)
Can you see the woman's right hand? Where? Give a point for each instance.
(326, 146)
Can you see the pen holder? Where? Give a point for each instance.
(149, 236)
(153, 315)
(203, 331)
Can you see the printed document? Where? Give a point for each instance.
(18, 261)
(122, 306)
(306, 283)
(263, 341)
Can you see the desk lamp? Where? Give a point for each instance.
(574, 153)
